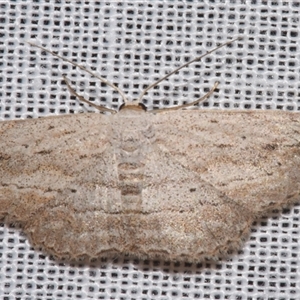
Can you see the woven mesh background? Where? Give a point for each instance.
(132, 44)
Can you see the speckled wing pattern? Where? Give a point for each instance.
(182, 185)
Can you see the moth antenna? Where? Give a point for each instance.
(84, 69)
(183, 66)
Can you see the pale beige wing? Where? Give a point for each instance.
(53, 171)
(240, 164)
(61, 180)
(251, 157)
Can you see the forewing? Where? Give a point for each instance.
(251, 157)
(53, 162)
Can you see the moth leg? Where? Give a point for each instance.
(201, 99)
(72, 91)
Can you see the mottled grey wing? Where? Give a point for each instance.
(252, 158)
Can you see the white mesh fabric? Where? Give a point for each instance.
(132, 44)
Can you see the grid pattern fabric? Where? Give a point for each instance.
(132, 44)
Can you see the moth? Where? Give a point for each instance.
(174, 184)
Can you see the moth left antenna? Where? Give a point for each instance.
(102, 108)
(183, 66)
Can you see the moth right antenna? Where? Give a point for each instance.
(183, 66)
